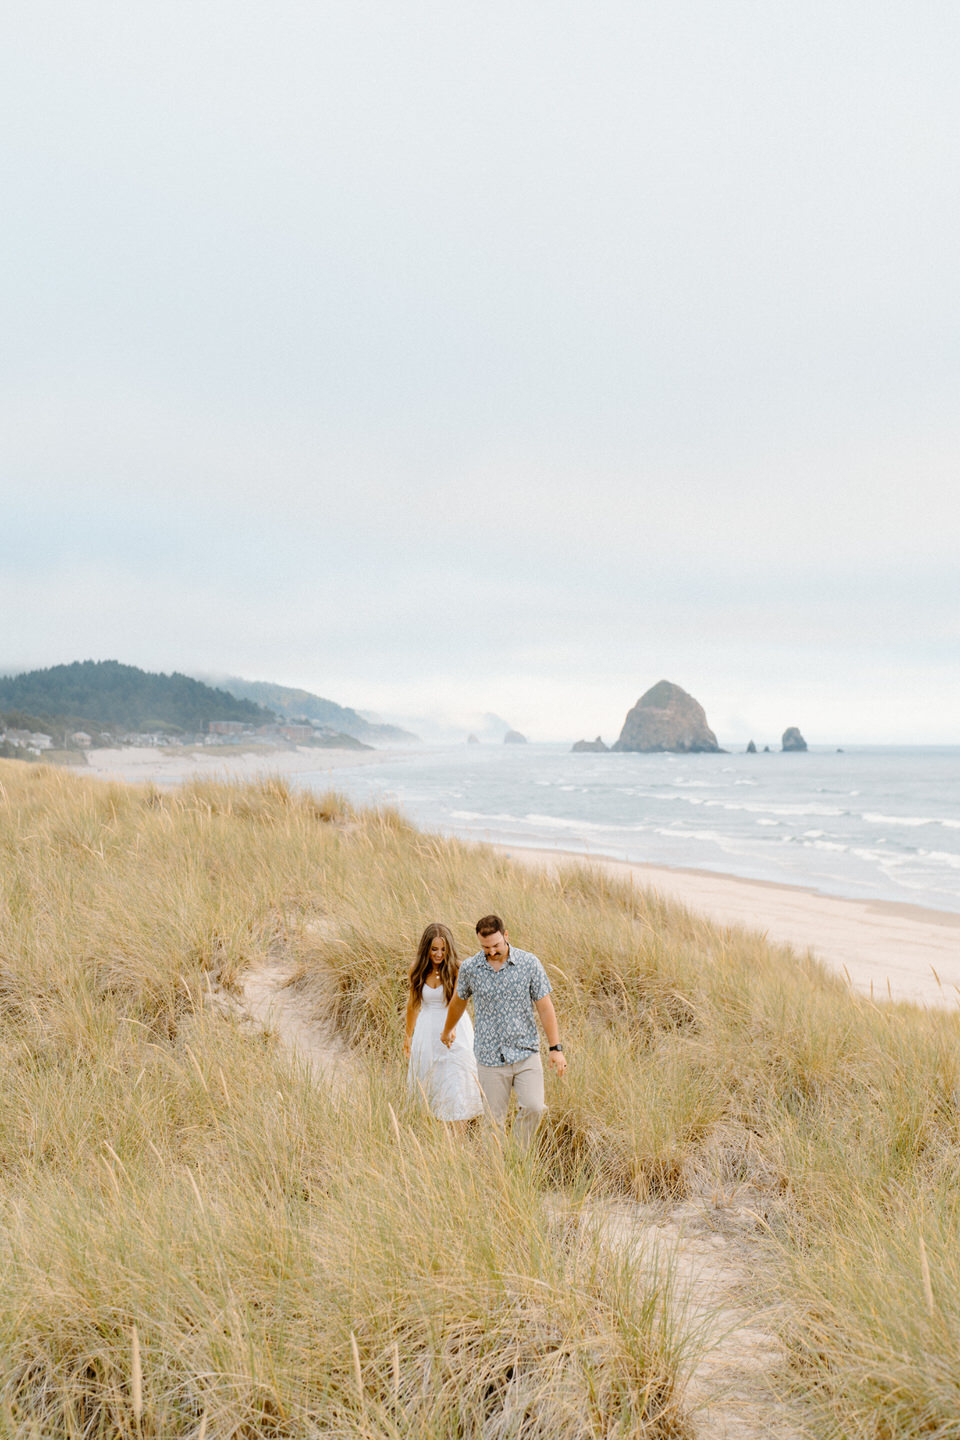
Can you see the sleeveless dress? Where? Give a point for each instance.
(447, 1079)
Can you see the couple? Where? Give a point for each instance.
(459, 1078)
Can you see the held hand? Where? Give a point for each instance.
(448, 1037)
(406, 1048)
(558, 1060)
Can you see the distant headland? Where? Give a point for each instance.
(62, 712)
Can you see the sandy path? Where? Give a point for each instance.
(713, 1257)
(885, 949)
(269, 999)
(708, 1247)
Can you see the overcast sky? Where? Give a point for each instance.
(455, 357)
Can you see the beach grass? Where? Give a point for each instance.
(197, 1238)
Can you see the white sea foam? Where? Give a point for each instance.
(942, 857)
(562, 822)
(911, 820)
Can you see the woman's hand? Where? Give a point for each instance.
(406, 1047)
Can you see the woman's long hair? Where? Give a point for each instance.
(420, 968)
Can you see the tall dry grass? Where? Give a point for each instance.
(195, 1239)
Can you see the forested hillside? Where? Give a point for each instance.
(123, 697)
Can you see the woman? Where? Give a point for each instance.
(446, 1078)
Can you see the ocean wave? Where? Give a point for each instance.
(911, 820)
(713, 837)
(479, 815)
(942, 857)
(561, 822)
(757, 808)
(886, 859)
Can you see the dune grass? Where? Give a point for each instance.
(195, 1239)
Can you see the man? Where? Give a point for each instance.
(507, 985)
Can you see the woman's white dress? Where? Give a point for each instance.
(447, 1079)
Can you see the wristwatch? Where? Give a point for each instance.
(557, 1047)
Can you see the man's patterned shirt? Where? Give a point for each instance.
(505, 1026)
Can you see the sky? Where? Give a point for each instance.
(452, 358)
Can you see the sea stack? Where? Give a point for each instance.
(596, 745)
(667, 718)
(793, 740)
(513, 737)
(751, 749)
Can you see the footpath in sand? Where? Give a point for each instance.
(708, 1244)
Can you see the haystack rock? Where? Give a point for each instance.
(590, 745)
(751, 749)
(473, 740)
(793, 740)
(667, 718)
(513, 737)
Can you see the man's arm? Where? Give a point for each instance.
(548, 1019)
(454, 1010)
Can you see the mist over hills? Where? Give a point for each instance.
(292, 704)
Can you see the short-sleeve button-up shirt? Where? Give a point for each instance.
(505, 1027)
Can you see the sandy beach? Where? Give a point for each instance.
(885, 949)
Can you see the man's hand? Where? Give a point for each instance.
(548, 1019)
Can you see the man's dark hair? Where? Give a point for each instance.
(489, 925)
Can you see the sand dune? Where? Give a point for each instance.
(886, 949)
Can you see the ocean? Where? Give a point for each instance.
(873, 823)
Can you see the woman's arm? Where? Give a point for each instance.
(454, 1010)
(413, 1007)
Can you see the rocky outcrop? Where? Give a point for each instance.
(513, 737)
(667, 718)
(751, 749)
(473, 740)
(793, 740)
(590, 745)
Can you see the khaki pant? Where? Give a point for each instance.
(526, 1078)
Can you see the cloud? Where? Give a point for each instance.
(373, 349)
